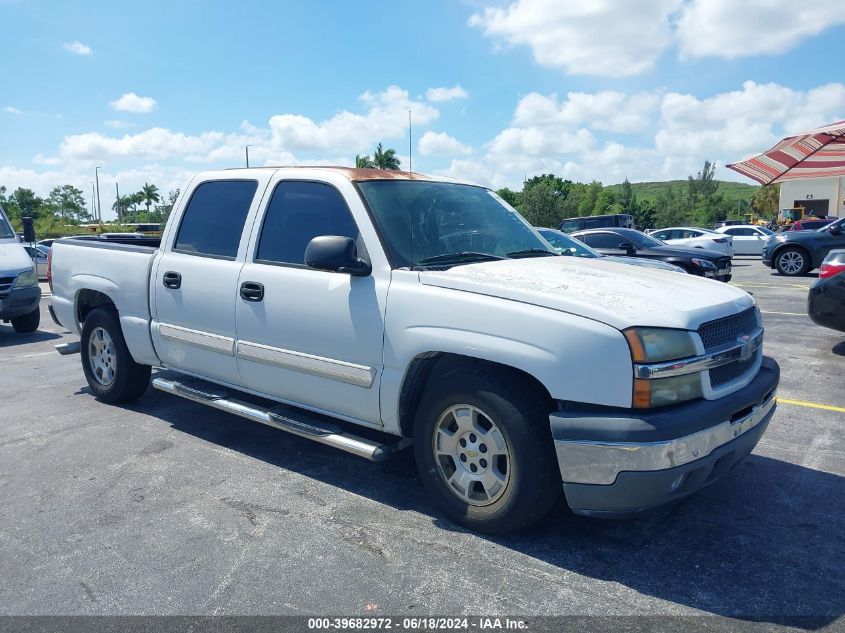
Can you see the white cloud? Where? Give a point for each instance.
(386, 119)
(12, 110)
(731, 28)
(77, 48)
(607, 110)
(446, 94)
(130, 102)
(118, 124)
(433, 143)
(596, 37)
(153, 144)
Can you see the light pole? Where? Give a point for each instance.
(97, 179)
(246, 150)
(93, 201)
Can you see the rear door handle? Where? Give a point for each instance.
(252, 291)
(172, 280)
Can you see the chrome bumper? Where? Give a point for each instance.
(594, 462)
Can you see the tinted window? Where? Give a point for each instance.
(298, 212)
(570, 225)
(741, 232)
(663, 235)
(595, 223)
(214, 219)
(602, 240)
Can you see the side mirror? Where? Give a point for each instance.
(627, 246)
(336, 254)
(836, 230)
(28, 230)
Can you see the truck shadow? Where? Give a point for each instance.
(764, 543)
(8, 336)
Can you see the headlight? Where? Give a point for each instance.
(655, 345)
(659, 392)
(26, 279)
(703, 263)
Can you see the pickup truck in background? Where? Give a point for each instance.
(20, 293)
(370, 310)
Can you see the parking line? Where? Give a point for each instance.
(811, 405)
(7, 358)
(784, 313)
(756, 284)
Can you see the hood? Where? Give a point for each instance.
(13, 258)
(642, 261)
(672, 250)
(617, 294)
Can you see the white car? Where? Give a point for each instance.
(695, 238)
(38, 254)
(369, 311)
(748, 239)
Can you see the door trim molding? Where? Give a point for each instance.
(358, 375)
(205, 340)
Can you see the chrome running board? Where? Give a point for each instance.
(284, 418)
(66, 349)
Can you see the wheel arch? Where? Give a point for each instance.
(798, 246)
(425, 365)
(88, 300)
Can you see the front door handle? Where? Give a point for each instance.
(252, 291)
(172, 280)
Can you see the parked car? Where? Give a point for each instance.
(515, 374)
(796, 253)
(571, 225)
(695, 238)
(748, 239)
(46, 243)
(826, 301)
(722, 223)
(20, 293)
(696, 261)
(38, 255)
(809, 224)
(568, 246)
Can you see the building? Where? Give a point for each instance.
(819, 196)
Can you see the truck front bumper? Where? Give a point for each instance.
(19, 302)
(613, 465)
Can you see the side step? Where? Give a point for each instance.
(279, 417)
(66, 349)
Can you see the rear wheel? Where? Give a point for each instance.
(792, 262)
(484, 449)
(28, 322)
(109, 368)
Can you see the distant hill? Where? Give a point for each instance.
(650, 190)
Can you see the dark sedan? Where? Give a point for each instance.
(696, 261)
(795, 253)
(826, 302)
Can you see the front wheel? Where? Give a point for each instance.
(792, 262)
(484, 449)
(28, 322)
(109, 368)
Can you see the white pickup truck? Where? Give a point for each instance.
(370, 310)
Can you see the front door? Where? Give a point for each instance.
(310, 337)
(196, 280)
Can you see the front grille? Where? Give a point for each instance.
(6, 285)
(726, 373)
(725, 331)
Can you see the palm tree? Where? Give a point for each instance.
(149, 194)
(121, 206)
(385, 159)
(364, 162)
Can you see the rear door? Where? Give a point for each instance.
(312, 338)
(747, 240)
(195, 281)
(606, 243)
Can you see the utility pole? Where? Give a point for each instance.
(93, 200)
(99, 209)
(246, 149)
(117, 203)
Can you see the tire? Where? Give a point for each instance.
(28, 322)
(792, 262)
(525, 470)
(725, 278)
(109, 368)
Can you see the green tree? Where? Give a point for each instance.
(364, 162)
(24, 202)
(645, 215)
(121, 207)
(68, 203)
(513, 198)
(628, 199)
(702, 186)
(386, 158)
(149, 195)
(591, 196)
(558, 185)
(542, 204)
(671, 208)
(766, 201)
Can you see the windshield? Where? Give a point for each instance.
(837, 224)
(566, 245)
(421, 221)
(765, 230)
(641, 240)
(5, 230)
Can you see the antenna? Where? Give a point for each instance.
(410, 149)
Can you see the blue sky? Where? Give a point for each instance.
(591, 89)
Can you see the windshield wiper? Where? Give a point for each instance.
(530, 252)
(457, 257)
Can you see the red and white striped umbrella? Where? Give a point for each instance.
(819, 153)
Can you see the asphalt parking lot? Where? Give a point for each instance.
(166, 507)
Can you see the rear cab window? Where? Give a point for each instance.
(213, 221)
